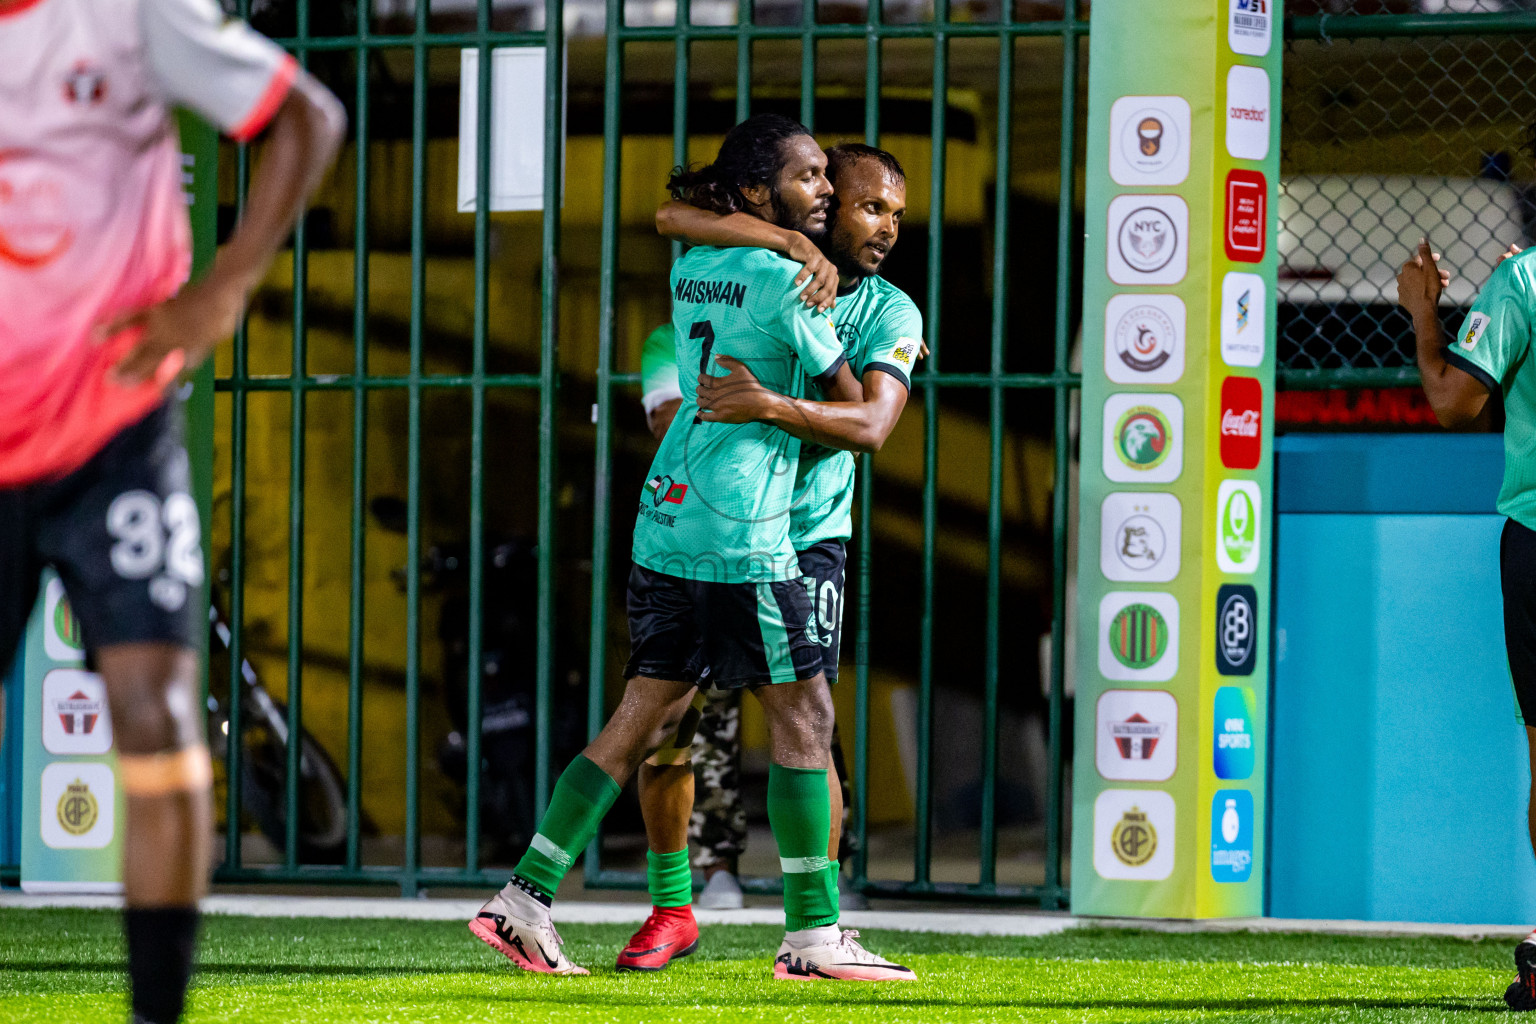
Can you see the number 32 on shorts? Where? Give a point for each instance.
(157, 541)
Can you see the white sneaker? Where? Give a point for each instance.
(527, 937)
(721, 892)
(840, 960)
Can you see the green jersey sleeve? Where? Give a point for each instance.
(1497, 332)
(808, 333)
(658, 368)
(894, 344)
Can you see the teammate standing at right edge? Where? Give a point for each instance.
(1493, 353)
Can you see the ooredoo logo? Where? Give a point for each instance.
(1248, 113)
(1247, 213)
(1242, 404)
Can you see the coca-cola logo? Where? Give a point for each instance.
(1242, 404)
(1240, 424)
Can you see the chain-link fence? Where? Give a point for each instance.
(1396, 128)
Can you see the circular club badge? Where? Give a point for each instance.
(1145, 338)
(1140, 543)
(1138, 636)
(1150, 141)
(1143, 437)
(1147, 239)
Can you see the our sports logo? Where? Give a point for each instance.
(1237, 633)
(1139, 537)
(1238, 506)
(1138, 636)
(1149, 140)
(1242, 402)
(1234, 754)
(1134, 834)
(1137, 736)
(1143, 339)
(1143, 438)
(1148, 239)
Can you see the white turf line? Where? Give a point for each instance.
(982, 922)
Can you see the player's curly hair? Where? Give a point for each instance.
(752, 154)
(846, 154)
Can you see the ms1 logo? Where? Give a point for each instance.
(1237, 634)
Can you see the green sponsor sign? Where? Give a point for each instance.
(1178, 399)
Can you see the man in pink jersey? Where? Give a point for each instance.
(95, 327)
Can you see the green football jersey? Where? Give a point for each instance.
(1494, 346)
(658, 368)
(880, 329)
(717, 499)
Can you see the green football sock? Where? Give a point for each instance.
(581, 798)
(837, 878)
(801, 816)
(669, 879)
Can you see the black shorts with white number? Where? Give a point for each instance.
(823, 570)
(122, 532)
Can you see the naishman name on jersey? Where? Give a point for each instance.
(729, 292)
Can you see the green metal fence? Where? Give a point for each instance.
(1017, 364)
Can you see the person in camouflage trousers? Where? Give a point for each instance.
(718, 827)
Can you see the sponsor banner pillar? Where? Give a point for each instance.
(1178, 395)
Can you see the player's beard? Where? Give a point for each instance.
(807, 227)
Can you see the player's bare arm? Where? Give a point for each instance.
(680, 220)
(1457, 397)
(855, 426)
(301, 142)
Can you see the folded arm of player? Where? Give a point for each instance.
(679, 220)
(859, 425)
(1457, 397)
(301, 141)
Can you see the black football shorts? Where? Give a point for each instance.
(725, 635)
(122, 532)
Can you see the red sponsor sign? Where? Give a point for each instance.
(1247, 215)
(1242, 404)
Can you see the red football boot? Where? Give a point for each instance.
(669, 933)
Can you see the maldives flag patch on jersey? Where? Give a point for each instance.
(663, 489)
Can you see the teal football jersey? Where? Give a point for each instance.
(880, 329)
(1494, 346)
(717, 500)
(658, 368)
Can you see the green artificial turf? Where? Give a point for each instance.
(63, 965)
